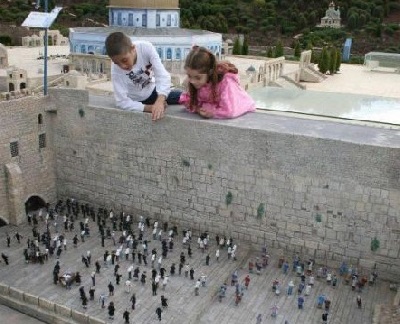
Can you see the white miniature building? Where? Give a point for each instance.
(16, 79)
(74, 79)
(332, 17)
(157, 21)
(54, 37)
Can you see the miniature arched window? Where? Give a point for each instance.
(159, 51)
(40, 119)
(169, 54)
(112, 18)
(178, 54)
(83, 49)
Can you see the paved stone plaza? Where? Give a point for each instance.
(184, 307)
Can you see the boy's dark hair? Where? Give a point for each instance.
(117, 43)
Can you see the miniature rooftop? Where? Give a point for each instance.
(151, 32)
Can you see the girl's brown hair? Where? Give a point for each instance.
(205, 62)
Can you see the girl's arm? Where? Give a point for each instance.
(185, 101)
(233, 100)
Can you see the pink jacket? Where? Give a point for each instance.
(233, 102)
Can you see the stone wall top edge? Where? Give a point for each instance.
(264, 121)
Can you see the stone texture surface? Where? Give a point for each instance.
(328, 188)
(346, 177)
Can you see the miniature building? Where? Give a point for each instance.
(74, 79)
(16, 79)
(332, 17)
(251, 73)
(156, 21)
(387, 62)
(32, 41)
(54, 38)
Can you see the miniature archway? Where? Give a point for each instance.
(34, 203)
(3, 222)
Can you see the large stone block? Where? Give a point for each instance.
(31, 299)
(292, 227)
(93, 320)
(4, 290)
(46, 304)
(297, 242)
(81, 318)
(16, 293)
(63, 310)
(311, 244)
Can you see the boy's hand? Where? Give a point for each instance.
(157, 111)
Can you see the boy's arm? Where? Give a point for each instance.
(161, 75)
(157, 109)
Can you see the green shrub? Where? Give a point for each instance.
(228, 198)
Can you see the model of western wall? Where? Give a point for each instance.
(324, 189)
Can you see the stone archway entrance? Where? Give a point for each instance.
(34, 203)
(2, 222)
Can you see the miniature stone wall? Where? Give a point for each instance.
(330, 197)
(323, 189)
(42, 309)
(32, 172)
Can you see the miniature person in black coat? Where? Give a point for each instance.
(158, 312)
(111, 310)
(125, 316)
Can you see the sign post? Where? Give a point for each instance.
(43, 20)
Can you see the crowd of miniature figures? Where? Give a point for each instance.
(144, 244)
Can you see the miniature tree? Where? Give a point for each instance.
(332, 60)
(279, 49)
(297, 49)
(236, 47)
(323, 64)
(245, 47)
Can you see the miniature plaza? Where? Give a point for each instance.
(183, 305)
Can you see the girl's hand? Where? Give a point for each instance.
(204, 113)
